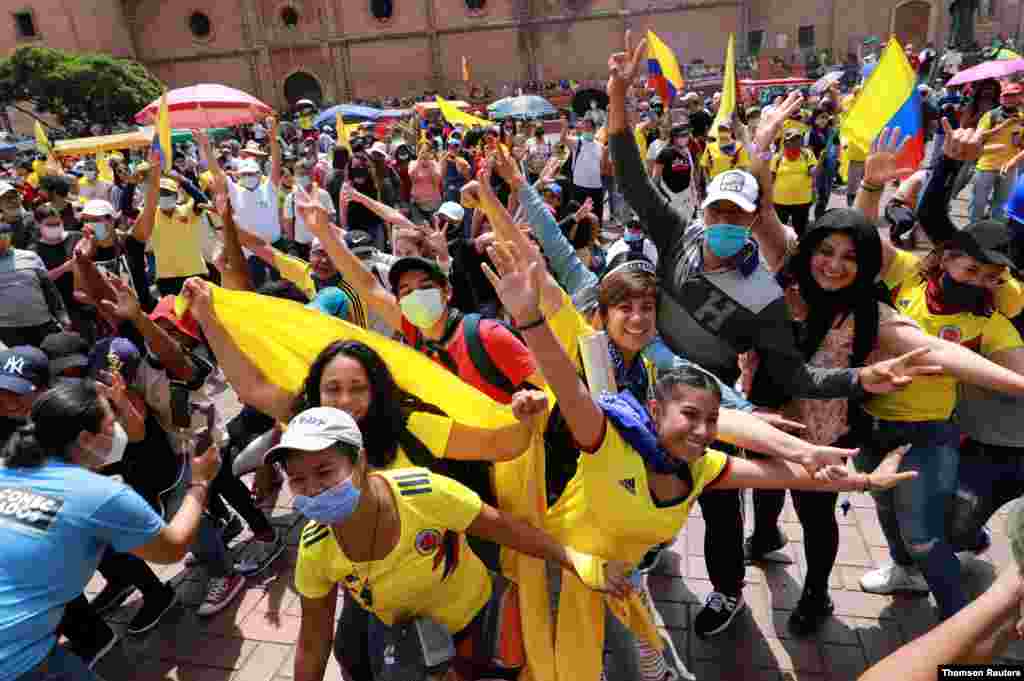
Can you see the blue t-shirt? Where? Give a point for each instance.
(55, 522)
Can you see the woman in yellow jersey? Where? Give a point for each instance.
(725, 153)
(395, 541)
(793, 181)
(957, 295)
(637, 480)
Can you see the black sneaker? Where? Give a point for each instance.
(153, 609)
(717, 614)
(811, 612)
(258, 556)
(232, 529)
(92, 653)
(757, 548)
(111, 598)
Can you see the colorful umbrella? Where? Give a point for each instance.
(207, 105)
(991, 69)
(524, 106)
(350, 112)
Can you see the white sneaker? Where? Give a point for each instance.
(220, 593)
(892, 578)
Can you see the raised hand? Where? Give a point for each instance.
(199, 296)
(313, 213)
(883, 164)
(506, 167)
(771, 125)
(436, 239)
(519, 284)
(624, 66)
(894, 374)
(530, 406)
(126, 307)
(967, 144)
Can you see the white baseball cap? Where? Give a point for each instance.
(735, 186)
(452, 211)
(316, 429)
(248, 166)
(98, 208)
(379, 148)
(6, 187)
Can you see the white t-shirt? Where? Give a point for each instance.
(586, 170)
(256, 210)
(258, 131)
(302, 233)
(655, 148)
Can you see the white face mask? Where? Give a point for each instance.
(168, 202)
(52, 232)
(100, 230)
(250, 181)
(423, 307)
(95, 460)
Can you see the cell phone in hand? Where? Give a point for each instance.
(181, 408)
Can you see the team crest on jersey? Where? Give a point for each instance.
(951, 334)
(427, 541)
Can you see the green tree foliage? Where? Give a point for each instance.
(77, 87)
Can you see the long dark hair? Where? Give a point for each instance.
(860, 299)
(384, 426)
(59, 415)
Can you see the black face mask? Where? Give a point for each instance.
(965, 296)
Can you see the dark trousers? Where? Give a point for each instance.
(722, 511)
(797, 215)
(27, 335)
(817, 514)
(990, 476)
(227, 487)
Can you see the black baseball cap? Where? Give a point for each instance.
(24, 368)
(65, 350)
(414, 263)
(359, 242)
(986, 241)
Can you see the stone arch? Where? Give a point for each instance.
(302, 85)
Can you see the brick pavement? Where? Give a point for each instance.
(254, 639)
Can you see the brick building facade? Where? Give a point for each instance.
(280, 50)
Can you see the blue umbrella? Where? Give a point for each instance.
(525, 106)
(350, 112)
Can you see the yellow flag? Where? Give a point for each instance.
(263, 328)
(344, 131)
(42, 142)
(104, 172)
(455, 116)
(162, 135)
(727, 107)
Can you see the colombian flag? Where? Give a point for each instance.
(162, 135)
(42, 142)
(889, 100)
(663, 69)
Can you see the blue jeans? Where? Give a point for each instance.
(208, 546)
(61, 665)
(991, 189)
(914, 514)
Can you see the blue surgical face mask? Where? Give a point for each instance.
(100, 230)
(726, 240)
(332, 506)
(631, 236)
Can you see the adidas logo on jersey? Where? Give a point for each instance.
(629, 484)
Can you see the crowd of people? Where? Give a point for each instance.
(497, 367)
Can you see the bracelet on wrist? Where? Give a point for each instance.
(871, 188)
(532, 325)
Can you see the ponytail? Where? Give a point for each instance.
(58, 417)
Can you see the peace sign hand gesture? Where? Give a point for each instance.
(519, 284)
(894, 374)
(623, 66)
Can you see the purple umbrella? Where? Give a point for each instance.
(990, 69)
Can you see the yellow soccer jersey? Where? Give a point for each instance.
(794, 184)
(932, 398)
(607, 508)
(431, 572)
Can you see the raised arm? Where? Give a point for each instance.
(519, 289)
(665, 224)
(211, 158)
(254, 389)
(469, 443)
(275, 151)
(143, 228)
(373, 294)
(387, 213)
